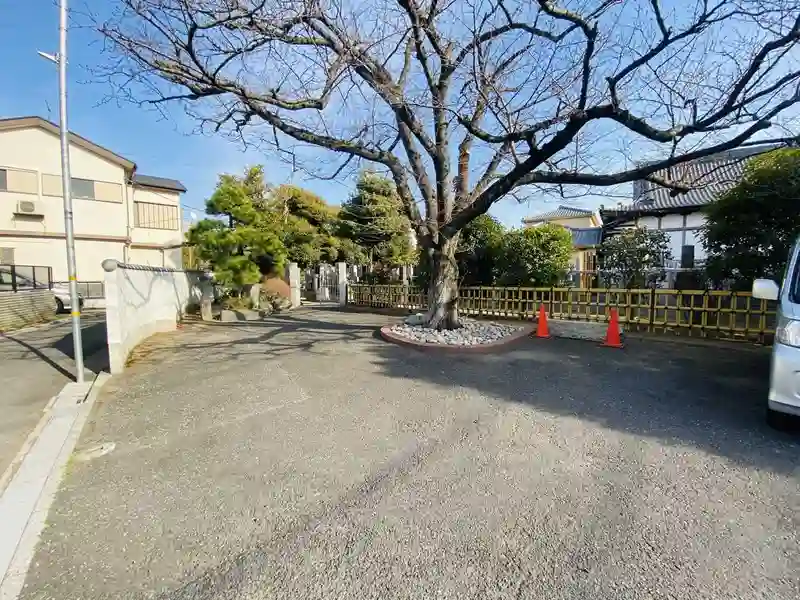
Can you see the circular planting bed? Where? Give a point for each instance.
(472, 336)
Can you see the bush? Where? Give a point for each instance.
(750, 228)
(276, 286)
(634, 257)
(535, 256)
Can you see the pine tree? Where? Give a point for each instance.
(242, 246)
(373, 219)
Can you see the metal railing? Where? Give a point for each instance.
(707, 313)
(89, 290)
(15, 278)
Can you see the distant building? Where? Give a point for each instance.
(118, 212)
(587, 234)
(681, 216)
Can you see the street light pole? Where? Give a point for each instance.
(66, 185)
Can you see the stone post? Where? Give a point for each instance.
(114, 326)
(294, 284)
(206, 299)
(254, 294)
(315, 284)
(341, 278)
(405, 277)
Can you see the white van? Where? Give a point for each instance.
(784, 385)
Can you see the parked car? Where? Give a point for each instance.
(60, 290)
(784, 384)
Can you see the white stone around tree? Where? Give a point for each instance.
(417, 319)
(472, 333)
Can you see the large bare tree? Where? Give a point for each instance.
(465, 101)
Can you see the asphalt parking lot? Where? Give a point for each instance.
(303, 457)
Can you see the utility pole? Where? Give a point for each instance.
(66, 186)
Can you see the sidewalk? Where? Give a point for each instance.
(35, 364)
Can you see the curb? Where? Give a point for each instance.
(24, 504)
(386, 334)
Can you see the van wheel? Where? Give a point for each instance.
(59, 306)
(780, 420)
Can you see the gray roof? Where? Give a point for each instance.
(586, 237)
(158, 182)
(562, 212)
(709, 177)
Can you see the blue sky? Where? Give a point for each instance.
(159, 147)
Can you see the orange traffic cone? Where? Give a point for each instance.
(612, 334)
(541, 328)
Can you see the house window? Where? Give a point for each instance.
(86, 189)
(19, 181)
(148, 215)
(82, 188)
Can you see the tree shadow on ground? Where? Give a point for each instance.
(711, 397)
(282, 335)
(51, 346)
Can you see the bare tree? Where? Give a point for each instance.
(465, 101)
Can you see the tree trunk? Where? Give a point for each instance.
(443, 287)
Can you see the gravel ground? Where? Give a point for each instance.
(306, 458)
(471, 333)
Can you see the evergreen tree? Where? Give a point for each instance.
(242, 246)
(307, 225)
(750, 229)
(373, 219)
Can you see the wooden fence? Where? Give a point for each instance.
(707, 313)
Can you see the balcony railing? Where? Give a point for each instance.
(16, 278)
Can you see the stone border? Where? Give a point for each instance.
(525, 331)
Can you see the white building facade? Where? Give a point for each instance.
(681, 216)
(118, 212)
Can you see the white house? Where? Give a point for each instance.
(681, 216)
(118, 212)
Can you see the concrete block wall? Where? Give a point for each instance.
(18, 309)
(142, 300)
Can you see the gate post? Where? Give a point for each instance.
(341, 278)
(294, 284)
(315, 282)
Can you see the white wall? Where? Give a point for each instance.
(649, 222)
(38, 150)
(52, 252)
(173, 258)
(682, 230)
(161, 237)
(141, 301)
(146, 256)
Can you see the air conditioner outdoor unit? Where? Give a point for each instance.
(29, 207)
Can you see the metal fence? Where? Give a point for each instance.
(707, 313)
(89, 290)
(15, 278)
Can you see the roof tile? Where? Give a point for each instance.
(158, 182)
(709, 177)
(562, 212)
